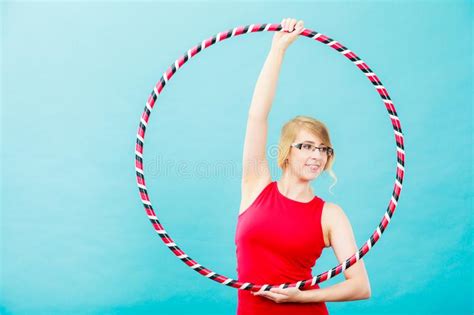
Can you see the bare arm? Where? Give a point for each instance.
(255, 169)
(266, 85)
(255, 164)
(356, 286)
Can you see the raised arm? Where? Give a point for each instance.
(255, 169)
(255, 164)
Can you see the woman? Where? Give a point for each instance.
(282, 226)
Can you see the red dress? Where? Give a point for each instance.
(278, 240)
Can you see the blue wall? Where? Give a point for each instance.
(75, 77)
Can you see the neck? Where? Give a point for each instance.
(294, 187)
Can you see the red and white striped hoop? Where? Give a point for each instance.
(303, 284)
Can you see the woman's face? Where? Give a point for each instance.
(305, 163)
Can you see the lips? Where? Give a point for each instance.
(313, 167)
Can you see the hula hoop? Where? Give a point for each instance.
(302, 284)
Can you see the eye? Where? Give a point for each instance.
(307, 146)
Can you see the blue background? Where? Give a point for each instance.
(75, 78)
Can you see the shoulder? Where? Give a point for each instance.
(335, 222)
(333, 214)
(333, 208)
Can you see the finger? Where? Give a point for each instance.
(258, 292)
(261, 291)
(273, 296)
(287, 25)
(279, 291)
(282, 23)
(264, 295)
(300, 26)
(285, 22)
(292, 25)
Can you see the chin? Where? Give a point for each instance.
(310, 177)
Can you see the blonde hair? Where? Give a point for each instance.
(290, 130)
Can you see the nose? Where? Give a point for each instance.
(314, 159)
(316, 154)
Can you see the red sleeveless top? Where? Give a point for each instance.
(278, 240)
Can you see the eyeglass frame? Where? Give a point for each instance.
(330, 151)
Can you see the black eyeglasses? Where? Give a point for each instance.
(308, 147)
